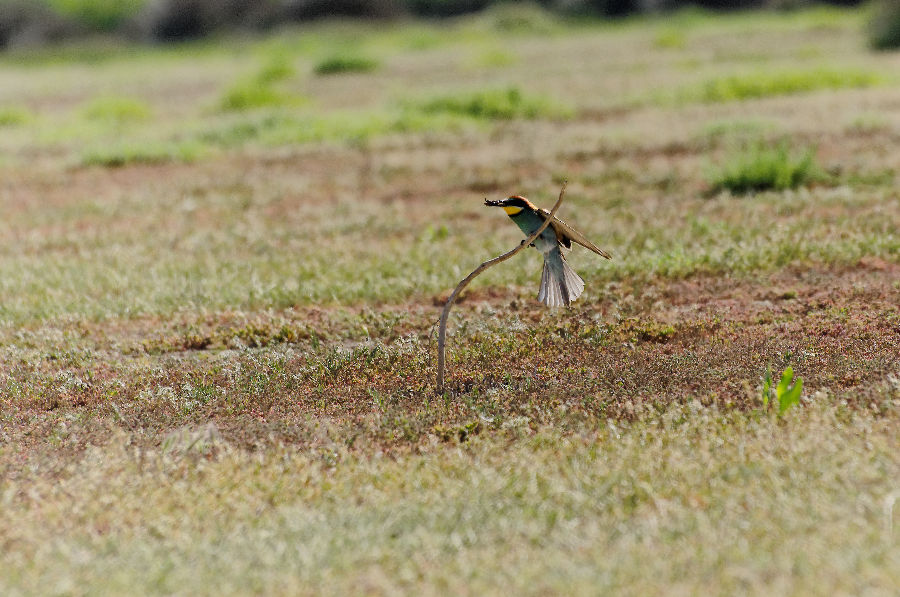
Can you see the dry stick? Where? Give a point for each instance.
(442, 330)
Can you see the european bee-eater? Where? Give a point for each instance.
(560, 285)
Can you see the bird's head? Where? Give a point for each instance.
(511, 205)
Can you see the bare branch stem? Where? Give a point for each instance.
(442, 330)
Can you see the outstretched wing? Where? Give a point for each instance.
(566, 234)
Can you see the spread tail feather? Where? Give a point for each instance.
(560, 285)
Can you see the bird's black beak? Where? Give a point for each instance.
(493, 202)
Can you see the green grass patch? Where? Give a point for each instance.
(278, 68)
(14, 115)
(417, 37)
(252, 94)
(102, 15)
(492, 58)
(787, 82)
(125, 154)
(500, 104)
(762, 167)
(116, 110)
(345, 63)
(670, 39)
(260, 90)
(278, 128)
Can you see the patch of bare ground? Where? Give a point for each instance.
(362, 378)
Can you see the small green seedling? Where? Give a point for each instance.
(786, 393)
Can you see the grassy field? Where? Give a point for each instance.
(221, 266)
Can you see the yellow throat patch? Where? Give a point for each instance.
(511, 209)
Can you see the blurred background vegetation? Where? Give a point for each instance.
(37, 22)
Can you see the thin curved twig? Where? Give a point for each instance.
(442, 330)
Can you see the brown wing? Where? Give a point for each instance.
(566, 234)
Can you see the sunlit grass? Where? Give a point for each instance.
(217, 353)
(784, 82)
(252, 94)
(143, 152)
(501, 104)
(683, 497)
(116, 110)
(345, 63)
(14, 116)
(764, 167)
(98, 269)
(276, 69)
(284, 128)
(494, 58)
(670, 39)
(104, 15)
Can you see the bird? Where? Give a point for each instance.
(560, 285)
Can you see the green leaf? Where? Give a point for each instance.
(767, 387)
(786, 378)
(788, 395)
(791, 397)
